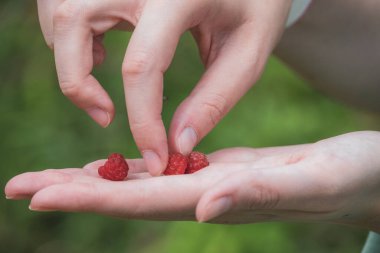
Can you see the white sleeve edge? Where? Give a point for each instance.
(297, 9)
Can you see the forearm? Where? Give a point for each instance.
(336, 46)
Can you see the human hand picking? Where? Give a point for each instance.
(234, 38)
(335, 181)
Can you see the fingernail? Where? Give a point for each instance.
(216, 208)
(187, 140)
(152, 162)
(36, 209)
(9, 197)
(100, 116)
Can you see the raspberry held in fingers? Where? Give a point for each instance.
(115, 168)
(177, 164)
(196, 161)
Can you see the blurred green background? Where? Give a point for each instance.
(41, 129)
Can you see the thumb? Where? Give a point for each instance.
(267, 190)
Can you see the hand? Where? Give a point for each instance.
(234, 38)
(335, 180)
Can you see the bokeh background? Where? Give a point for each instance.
(41, 129)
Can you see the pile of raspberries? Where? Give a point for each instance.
(116, 168)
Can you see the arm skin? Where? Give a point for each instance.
(336, 46)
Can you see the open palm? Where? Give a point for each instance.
(334, 180)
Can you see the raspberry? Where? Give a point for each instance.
(115, 168)
(177, 164)
(197, 161)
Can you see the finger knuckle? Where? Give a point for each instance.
(142, 126)
(262, 197)
(216, 107)
(136, 65)
(63, 14)
(69, 11)
(139, 126)
(70, 90)
(149, 135)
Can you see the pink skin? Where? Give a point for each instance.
(336, 180)
(227, 32)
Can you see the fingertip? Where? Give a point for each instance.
(38, 201)
(14, 188)
(201, 206)
(8, 193)
(32, 208)
(100, 116)
(187, 140)
(153, 163)
(199, 211)
(216, 201)
(6, 188)
(25, 185)
(210, 209)
(46, 198)
(39, 209)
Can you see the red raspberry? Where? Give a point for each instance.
(197, 161)
(177, 164)
(115, 168)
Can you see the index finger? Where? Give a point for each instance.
(73, 49)
(148, 56)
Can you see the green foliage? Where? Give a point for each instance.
(41, 129)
